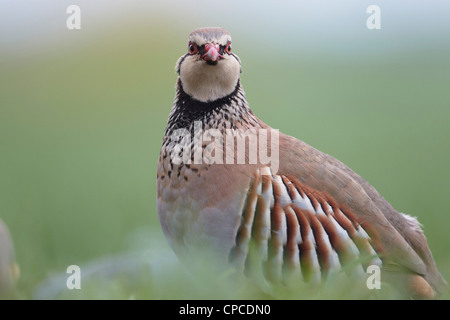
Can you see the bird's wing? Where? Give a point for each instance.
(397, 237)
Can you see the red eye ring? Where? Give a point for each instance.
(228, 47)
(192, 47)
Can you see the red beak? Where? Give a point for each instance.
(212, 52)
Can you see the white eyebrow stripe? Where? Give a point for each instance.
(202, 38)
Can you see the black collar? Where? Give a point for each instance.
(187, 109)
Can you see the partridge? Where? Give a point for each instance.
(265, 203)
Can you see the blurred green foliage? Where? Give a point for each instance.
(80, 133)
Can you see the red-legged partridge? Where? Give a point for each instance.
(254, 198)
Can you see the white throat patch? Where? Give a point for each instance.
(206, 82)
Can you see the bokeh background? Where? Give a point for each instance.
(82, 113)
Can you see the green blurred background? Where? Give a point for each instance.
(82, 114)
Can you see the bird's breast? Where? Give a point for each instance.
(199, 207)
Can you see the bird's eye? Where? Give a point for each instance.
(228, 47)
(193, 48)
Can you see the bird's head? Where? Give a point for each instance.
(209, 70)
